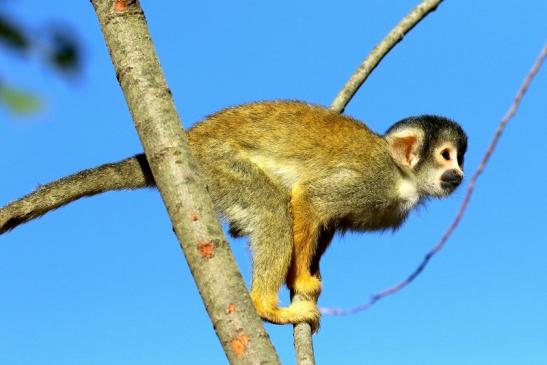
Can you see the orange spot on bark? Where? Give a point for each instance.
(120, 5)
(231, 308)
(239, 344)
(194, 217)
(207, 250)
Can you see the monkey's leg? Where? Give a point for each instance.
(325, 237)
(270, 266)
(255, 206)
(306, 229)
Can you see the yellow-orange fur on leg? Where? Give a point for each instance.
(305, 234)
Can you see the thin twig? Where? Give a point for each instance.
(470, 188)
(302, 332)
(378, 53)
(303, 343)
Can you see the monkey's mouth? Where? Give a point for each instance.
(450, 180)
(449, 186)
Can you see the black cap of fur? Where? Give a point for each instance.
(435, 127)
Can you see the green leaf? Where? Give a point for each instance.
(18, 101)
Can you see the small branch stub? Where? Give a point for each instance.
(207, 250)
(239, 344)
(120, 5)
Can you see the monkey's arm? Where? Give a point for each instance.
(131, 173)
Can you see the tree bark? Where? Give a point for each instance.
(182, 188)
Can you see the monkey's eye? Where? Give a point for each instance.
(446, 154)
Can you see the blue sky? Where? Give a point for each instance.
(104, 281)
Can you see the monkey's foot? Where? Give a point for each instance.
(297, 312)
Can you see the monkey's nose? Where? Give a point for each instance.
(451, 178)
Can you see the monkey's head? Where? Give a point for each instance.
(430, 149)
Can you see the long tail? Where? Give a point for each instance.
(131, 173)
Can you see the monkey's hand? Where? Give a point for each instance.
(305, 284)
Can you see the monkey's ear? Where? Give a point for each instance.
(404, 146)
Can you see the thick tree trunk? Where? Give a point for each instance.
(178, 179)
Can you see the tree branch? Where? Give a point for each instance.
(377, 54)
(182, 188)
(302, 337)
(470, 189)
(302, 332)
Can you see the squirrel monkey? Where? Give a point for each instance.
(288, 175)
